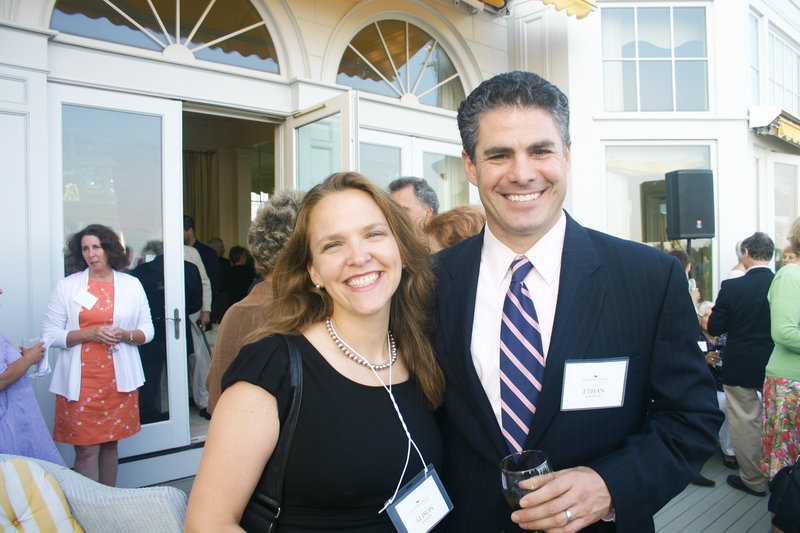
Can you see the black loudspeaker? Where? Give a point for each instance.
(690, 204)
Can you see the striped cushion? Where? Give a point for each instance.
(31, 500)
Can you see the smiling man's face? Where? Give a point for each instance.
(520, 169)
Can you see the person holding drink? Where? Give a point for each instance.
(22, 428)
(352, 291)
(560, 338)
(97, 316)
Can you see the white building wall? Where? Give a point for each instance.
(27, 199)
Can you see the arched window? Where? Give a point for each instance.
(400, 60)
(229, 31)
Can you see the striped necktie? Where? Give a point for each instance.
(521, 358)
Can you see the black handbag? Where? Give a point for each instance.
(784, 500)
(264, 507)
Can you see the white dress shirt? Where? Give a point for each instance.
(494, 279)
(191, 254)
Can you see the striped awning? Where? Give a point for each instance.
(579, 8)
(773, 121)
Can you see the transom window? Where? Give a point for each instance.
(397, 59)
(225, 31)
(784, 74)
(655, 59)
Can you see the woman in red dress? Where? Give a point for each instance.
(97, 316)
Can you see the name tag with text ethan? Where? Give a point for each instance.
(594, 383)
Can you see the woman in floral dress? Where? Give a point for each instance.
(780, 432)
(97, 316)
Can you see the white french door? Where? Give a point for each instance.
(116, 160)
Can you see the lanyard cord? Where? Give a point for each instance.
(360, 359)
(388, 389)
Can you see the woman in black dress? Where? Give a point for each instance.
(354, 288)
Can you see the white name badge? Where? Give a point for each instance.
(420, 504)
(86, 299)
(703, 346)
(594, 383)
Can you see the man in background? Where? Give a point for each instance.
(742, 311)
(221, 301)
(416, 197)
(154, 353)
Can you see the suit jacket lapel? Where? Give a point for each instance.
(579, 306)
(459, 287)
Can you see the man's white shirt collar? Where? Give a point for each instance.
(545, 255)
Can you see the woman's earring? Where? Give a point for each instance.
(317, 285)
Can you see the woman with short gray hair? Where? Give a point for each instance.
(268, 234)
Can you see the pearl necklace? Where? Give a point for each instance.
(357, 357)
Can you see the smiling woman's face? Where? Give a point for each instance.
(354, 254)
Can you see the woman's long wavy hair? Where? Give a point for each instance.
(298, 303)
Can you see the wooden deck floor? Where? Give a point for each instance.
(714, 509)
(695, 510)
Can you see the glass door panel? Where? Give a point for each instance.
(112, 174)
(445, 173)
(385, 156)
(381, 164)
(321, 140)
(440, 164)
(115, 152)
(319, 150)
(786, 177)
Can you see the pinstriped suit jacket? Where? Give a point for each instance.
(616, 299)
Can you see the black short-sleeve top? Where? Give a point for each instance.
(349, 447)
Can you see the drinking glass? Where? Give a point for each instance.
(28, 342)
(521, 466)
(109, 324)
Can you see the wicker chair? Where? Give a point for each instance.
(100, 509)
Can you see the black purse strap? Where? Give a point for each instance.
(271, 482)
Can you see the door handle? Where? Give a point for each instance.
(177, 321)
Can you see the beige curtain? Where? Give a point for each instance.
(200, 192)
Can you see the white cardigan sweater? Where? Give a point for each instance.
(131, 312)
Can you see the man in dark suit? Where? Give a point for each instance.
(154, 353)
(220, 298)
(627, 410)
(742, 311)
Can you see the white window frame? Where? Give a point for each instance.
(773, 36)
(710, 87)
